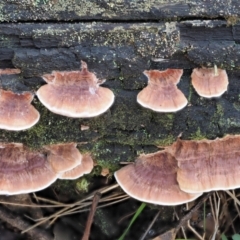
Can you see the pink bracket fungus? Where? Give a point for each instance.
(23, 171)
(16, 111)
(161, 93)
(84, 167)
(63, 156)
(207, 165)
(209, 82)
(153, 179)
(75, 94)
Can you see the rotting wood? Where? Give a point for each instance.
(119, 40)
(119, 49)
(121, 10)
(120, 52)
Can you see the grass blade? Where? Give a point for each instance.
(140, 209)
(236, 237)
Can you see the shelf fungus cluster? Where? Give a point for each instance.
(75, 94)
(24, 171)
(16, 111)
(162, 95)
(183, 171)
(153, 178)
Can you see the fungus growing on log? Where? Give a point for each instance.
(23, 171)
(209, 82)
(75, 94)
(161, 93)
(84, 167)
(63, 157)
(153, 179)
(16, 111)
(207, 165)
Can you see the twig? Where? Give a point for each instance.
(216, 213)
(87, 209)
(126, 216)
(233, 197)
(47, 200)
(182, 228)
(192, 229)
(188, 215)
(95, 201)
(33, 205)
(150, 225)
(69, 206)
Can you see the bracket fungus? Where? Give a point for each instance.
(209, 82)
(207, 165)
(161, 93)
(153, 179)
(63, 156)
(75, 94)
(16, 111)
(84, 167)
(23, 171)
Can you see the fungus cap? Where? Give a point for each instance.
(16, 111)
(23, 171)
(75, 94)
(153, 179)
(207, 165)
(84, 167)
(63, 157)
(208, 83)
(161, 94)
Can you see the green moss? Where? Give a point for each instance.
(197, 135)
(190, 93)
(112, 167)
(165, 141)
(236, 105)
(230, 122)
(220, 109)
(217, 115)
(50, 129)
(82, 185)
(66, 187)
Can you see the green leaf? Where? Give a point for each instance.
(236, 237)
(140, 209)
